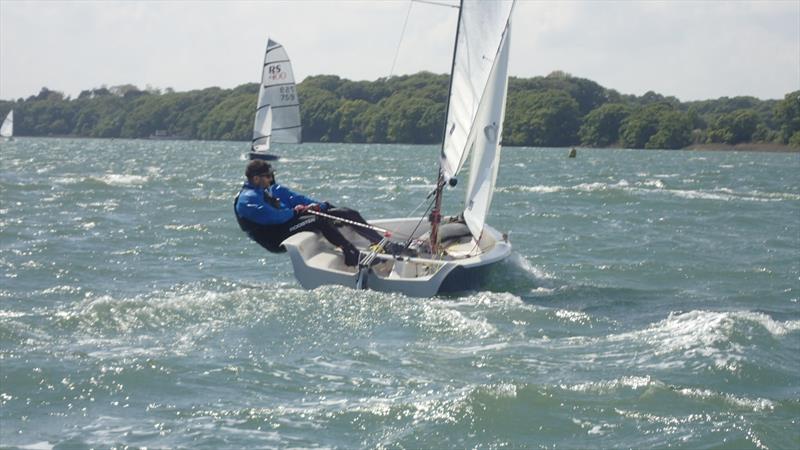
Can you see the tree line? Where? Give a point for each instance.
(557, 110)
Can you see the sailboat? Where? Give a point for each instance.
(278, 109)
(449, 253)
(7, 128)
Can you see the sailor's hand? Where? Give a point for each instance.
(313, 207)
(300, 209)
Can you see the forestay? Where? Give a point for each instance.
(477, 102)
(278, 110)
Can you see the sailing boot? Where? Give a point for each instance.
(351, 255)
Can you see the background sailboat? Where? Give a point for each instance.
(277, 117)
(452, 254)
(7, 128)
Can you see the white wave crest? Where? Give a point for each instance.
(574, 316)
(655, 183)
(441, 319)
(114, 179)
(707, 335)
(183, 227)
(755, 405)
(606, 386)
(535, 189)
(727, 195)
(600, 186)
(521, 262)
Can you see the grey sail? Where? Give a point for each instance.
(277, 118)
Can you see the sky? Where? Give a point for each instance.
(692, 50)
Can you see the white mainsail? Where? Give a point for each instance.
(477, 102)
(7, 128)
(278, 109)
(486, 151)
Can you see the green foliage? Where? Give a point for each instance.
(556, 110)
(351, 115)
(549, 118)
(735, 127)
(794, 140)
(642, 124)
(656, 126)
(787, 114)
(318, 113)
(601, 126)
(674, 131)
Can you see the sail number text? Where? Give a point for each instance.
(287, 94)
(276, 73)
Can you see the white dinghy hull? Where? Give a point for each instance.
(316, 262)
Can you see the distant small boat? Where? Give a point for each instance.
(7, 128)
(278, 109)
(573, 153)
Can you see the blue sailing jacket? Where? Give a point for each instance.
(254, 204)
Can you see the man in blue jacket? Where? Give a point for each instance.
(269, 213)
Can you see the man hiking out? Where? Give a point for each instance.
(269, 213)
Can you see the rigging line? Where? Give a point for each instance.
(411, 214)
(400, 42)
(411, 237)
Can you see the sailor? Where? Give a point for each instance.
(269, 213)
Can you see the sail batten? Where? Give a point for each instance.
(277, 117)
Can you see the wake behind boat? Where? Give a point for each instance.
(451, 254)
(277, 116)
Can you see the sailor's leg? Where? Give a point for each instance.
(308, 222)
(351, 214)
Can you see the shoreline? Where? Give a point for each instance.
(744, 147)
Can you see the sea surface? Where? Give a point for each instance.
(652, 301)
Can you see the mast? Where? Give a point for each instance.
(436, 214)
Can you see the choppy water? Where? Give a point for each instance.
(652, 301)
